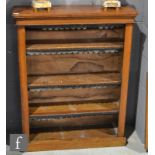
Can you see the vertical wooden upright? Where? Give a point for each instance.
(23, 79)
(125, 79)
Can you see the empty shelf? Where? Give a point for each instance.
(31, 47)
(74, 109)
(70, 122)
(65, 80)
(84, 138)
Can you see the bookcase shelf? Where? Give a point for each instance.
(74, 46)
(73, 80)
(85, 138)
(74, 109)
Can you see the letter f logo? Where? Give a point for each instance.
(17, 142)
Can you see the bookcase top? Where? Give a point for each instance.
(73, 12)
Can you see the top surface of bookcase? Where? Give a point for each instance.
(94, 13)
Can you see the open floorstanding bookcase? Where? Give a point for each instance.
(74, 64)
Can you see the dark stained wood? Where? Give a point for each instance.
(125, 79)
(23, 80)
(74, 63)
(73, 12)
(116, 33)
(67, 21)
(73, 122)
(73, 15)
(75, 139)
(74, 108)
(79, 79)
(56, 96)
(100, 45)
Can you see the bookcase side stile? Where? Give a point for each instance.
(23, 79)
(125, 79)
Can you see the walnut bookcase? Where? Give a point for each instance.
(74, 67)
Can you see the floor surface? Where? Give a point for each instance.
(134, 147)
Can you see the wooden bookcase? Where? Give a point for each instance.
(74, 67)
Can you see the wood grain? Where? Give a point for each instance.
(87, 133)
(73, 35)
(71, 15)
(75, 139)
(23, 80)
(98, 142)
(74, 108)
(58, 96)
(125, 79)
(102, 45)
(70, 80)
(65, 15)
(74, 63)
(73, 122)
(74, 12)
(77, 21)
